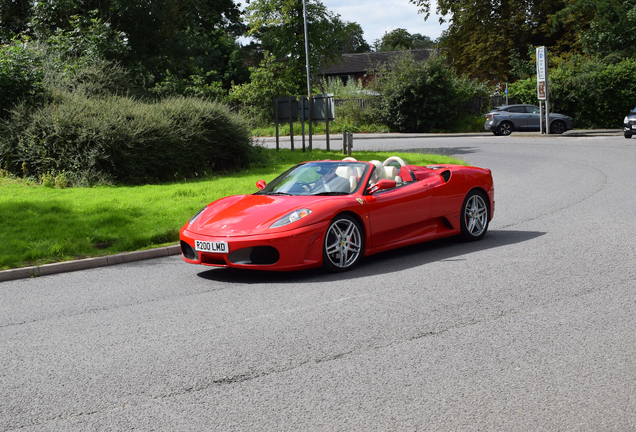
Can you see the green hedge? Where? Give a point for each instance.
(420, 96)
(597, 93)
(121, 140)
(21, 75)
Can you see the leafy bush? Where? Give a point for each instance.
(195, 86)
(421, 96)
(119, 139)
(21, 75)
(358, 108)
(597, 93)
(98, 78)
(48, 180)
(524, 91)
(268, 81)
(87, 39)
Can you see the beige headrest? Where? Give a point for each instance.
(390, 172)
(344, 171)
(379, 173)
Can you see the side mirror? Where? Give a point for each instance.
(382, 185)
(261, 184)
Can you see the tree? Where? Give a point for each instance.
(171, 38)
(279, 26)
(14, 18)
(482, 34)
(396, 40)
(355, 42)
(271, 79)
(21, 75)
(604, 27)
(422, 42)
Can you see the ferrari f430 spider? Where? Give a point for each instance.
(333, 213)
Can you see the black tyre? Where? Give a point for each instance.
(628, 136)
(474, 216)
(557, 128)
(504, 128)
(344, 244)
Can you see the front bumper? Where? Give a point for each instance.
(296, 249)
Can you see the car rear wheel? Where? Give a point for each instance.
(557, 128)
(474, 216)
(343, 244)
(505, 129)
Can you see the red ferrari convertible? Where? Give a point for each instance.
(332, 213)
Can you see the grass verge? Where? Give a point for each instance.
(41, 224)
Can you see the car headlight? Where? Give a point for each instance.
(193, 218)
(291, 217)
(626, 119)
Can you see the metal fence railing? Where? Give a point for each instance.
(362, 102)
(476, 106)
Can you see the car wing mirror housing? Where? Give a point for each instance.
(383, 184)
(261, 184)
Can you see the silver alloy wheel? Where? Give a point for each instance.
(343, 243)
(504, 129)
(476, 215)
(557, 128)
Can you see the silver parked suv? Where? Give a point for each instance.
(505, 119)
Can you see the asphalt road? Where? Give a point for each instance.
(532, 328)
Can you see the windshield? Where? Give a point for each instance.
(319, 178)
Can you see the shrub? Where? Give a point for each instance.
(61, 181)
(597, 93)
(419, 96)
(47, 180)
(21, 75)
(268, 81)
(119, 139)
(524, 91)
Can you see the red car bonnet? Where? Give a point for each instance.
(250, 214)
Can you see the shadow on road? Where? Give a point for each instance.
(408, 257)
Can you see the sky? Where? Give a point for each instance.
(379, 16)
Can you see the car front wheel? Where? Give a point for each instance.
(343, 244)
(474, 216)
(504, 129)
(557, 128)
(627, 136)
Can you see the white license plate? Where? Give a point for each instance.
(212, 247)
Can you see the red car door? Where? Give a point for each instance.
(398, 214)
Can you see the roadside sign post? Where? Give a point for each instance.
(543, 90)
